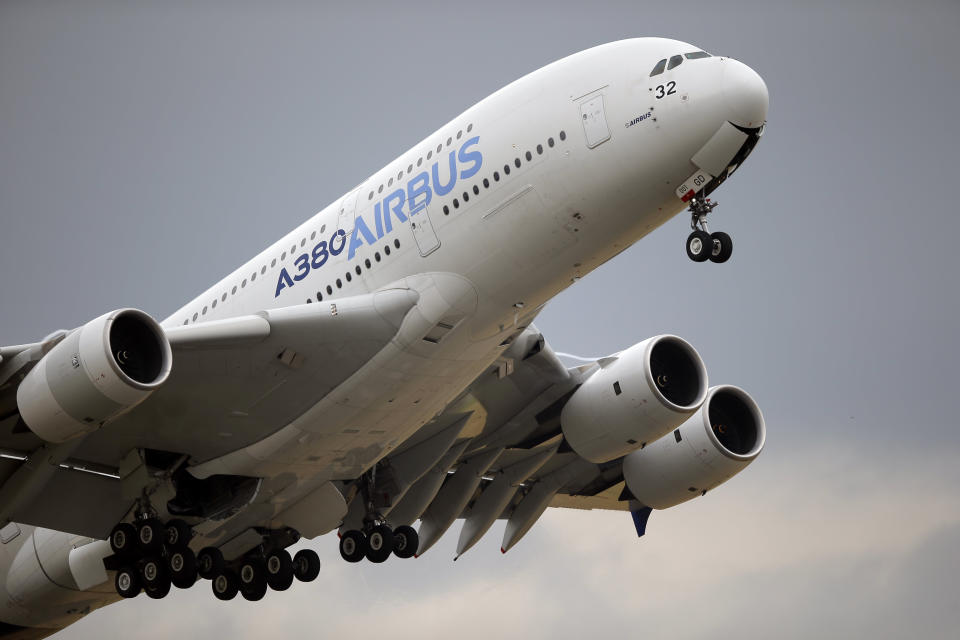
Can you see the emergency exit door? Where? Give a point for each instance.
(594, 120)
(348, 212)
(423, 231)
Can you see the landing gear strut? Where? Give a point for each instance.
(701, 244)
(376, 541)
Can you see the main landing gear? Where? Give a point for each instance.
(376, 541)
(253, 574)
(701, 244)
(152, 556)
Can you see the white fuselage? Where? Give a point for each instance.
(540, 197)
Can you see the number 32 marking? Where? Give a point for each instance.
(669, 90)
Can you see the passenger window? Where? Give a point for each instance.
(674, 62)
(658, 68)
(696, 54)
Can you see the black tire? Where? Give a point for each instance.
(127, 582)
(279, 570)
(225, 585)
(150, 535)
(159, 590)
(251, 575)
(306, 565)
(379, 543)
(353, 546)
(182, 565)
(405, 541)
(210, 563)
(254, 592)
(177, 534)
(699, 246)
(123, 539)
(153, 571)
(722, 247)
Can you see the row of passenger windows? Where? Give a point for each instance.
(496, 174)
(252, 278)
(420, 161)
(675, 61)
(349, 277)
(517, 162)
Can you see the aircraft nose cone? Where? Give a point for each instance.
(745, 94)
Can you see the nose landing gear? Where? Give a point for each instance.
(701, 244)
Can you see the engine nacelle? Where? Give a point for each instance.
(707, 450)
(97, 372)
(636, 397)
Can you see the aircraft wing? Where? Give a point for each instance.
(233, 382)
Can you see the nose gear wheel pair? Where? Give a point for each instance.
(701, 244)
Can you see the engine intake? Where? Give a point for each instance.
(97, 372)
(711, 447)
(634, 398)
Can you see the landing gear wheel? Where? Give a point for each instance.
(254, 592)
(279, 570)
(183, 568)
(353, 546)
(210, 563)
(405, 541)
(253, 581)
(150, 534)
(153, 573)
(699, 246)
(176, 535)
(160, 590)
(722, 247)
(225, 585)
(306, 565)
(123, 539)
(127, 582)
(379, 543)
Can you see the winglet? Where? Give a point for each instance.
(640, 517)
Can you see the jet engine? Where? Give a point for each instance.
(94, 374)
(707, 450)
(636, 397)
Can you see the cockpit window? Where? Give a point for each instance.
(674, 62)
(658, 68)
(696, 54)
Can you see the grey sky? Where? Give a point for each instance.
(148, 149)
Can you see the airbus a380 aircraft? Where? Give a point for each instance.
(378, 366)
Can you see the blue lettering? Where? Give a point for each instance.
(355, 241)
(283, 281)
(470, 156)
(342, 236)
(303, 267)
(414, 191)
(400, 196)
(444, 189)
(378, 219)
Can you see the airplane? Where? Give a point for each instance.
(379, 365)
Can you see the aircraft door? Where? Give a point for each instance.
(348, 212)
(594, 121)
(423, 231)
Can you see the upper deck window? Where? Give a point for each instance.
(658, 68)
(696, 54)
(674, 62)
